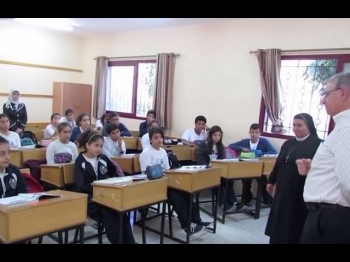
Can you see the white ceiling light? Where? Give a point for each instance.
(54, 23)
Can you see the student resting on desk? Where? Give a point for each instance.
(90, 166)
(113, 145)
(261, 146)
(155, 155)
(114, 119)
(199, 132)
(50, 129)
(144, 126)
(213, 148)
(10, 136)
(83, 124)
(145, 142)
(62, 150)
(12, 181)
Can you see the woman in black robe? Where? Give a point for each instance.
(288, 211)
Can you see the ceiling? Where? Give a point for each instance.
(87, 26)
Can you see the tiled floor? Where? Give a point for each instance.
(238, 229)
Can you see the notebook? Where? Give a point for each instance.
(114, 180)
(26, 198)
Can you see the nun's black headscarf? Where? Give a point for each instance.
(308, 121)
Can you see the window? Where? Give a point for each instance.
(302, 79)
(131, 88)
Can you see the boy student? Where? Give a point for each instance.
(261, 146)
(114, 119)
(50, 129)
(69, 118)
(12, 181)
(113, 144)
(199, 132)
(143, 129)
(11, 136)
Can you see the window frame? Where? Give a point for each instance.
(134, 63)
(342, 59)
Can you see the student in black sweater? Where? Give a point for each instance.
(89, 166)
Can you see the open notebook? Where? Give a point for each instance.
(25, 198)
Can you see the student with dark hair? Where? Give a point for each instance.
(261, 146)
(114, 145)
(114, 119)
(90, 166)
(156, 155)
(101, 122)
(11, 136)
(213, 148)
(83, 124)
(144, 126)
(69, 118)
(199, 132)
(145, 142)
(12, 181)
(50, 129)
(62, 150)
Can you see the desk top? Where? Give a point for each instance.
(129, 183)
(65, 196)
(190, 170)
(125, 156)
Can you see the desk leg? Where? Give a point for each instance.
(81, 234)
(121, 227)
(225, 196)
(215, 198)
(258, 199)
(143, 224)
(170, 217)
(188, 233)
(162, 225)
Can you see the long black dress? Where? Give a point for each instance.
(288, 212)
(17, 115)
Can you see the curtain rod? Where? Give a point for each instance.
(310, 50)
(126, 57)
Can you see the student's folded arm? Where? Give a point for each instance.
(82, 185)
(270, 148)
(237, 146)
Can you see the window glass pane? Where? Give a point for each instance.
(145, 88)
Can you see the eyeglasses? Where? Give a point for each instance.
(325, 93)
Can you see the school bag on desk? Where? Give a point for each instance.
(247, 155)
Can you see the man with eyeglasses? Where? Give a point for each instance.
(327, 187)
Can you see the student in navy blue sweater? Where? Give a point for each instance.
(143, 129)
(83, 124)
(262, 146)
(89, 166)
(114, 119)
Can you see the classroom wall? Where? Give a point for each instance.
(215, 74)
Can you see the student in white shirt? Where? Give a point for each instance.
(113, 145)
(156, 155)
(62, 144)
(69, 118)
(10, 136)
(199, 132)
(50, 129)
(145, 142)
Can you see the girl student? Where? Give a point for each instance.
(155, 155)
(62, 150)
(11, 136)
(92, 165)
(83, 124)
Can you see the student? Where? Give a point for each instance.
(83, 124)
(90, 166)
(16, 112)
(62, 147)
(113, 144)
(145, 142)
(50, 129)
(69, 118)
(10, 136)
(262, 146)
(155, 155)
(101, 122)
(213, 148)
(199, 132)
(114, 119)
(12, 181)
(144, 126)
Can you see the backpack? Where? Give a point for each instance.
(33, 186)
(230, 154)
(28, 138)
(173, 161)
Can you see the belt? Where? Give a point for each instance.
(310, 205)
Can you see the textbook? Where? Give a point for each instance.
(114, 180)
(25, 198)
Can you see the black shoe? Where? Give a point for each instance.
(194, 228)
(205, 224)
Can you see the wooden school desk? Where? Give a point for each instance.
(28, 221)
(127, 196)
(19, 156)
(126, 162)
(58, 175)
(239, 170)
(193, 181)
(182, 152)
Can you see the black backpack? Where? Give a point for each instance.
(173, 161)
(29, 135)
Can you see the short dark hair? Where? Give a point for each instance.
(62, 126)
(4, 115)
(110, 128)
(151, 123)
(200, 118)
(3, 140)
(151, 112)
(88, 137)
(54, 114)
(113, 114)
(254, 126)
(155, 130)
(68, 111)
